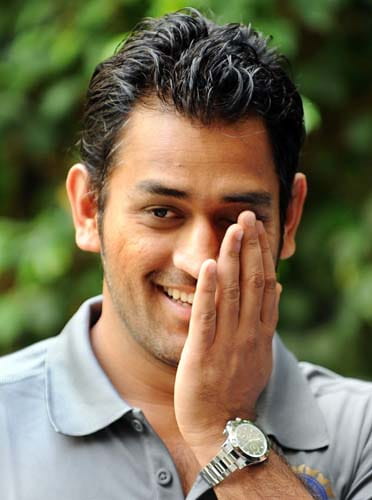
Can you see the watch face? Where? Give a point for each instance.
(251, 440)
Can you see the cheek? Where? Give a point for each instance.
(273, 235)
(274, 245)
(139, 254)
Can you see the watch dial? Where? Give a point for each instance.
(251, 440)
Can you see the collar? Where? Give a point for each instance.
(81, 399)
(287, 409)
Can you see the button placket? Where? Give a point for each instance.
(165, 479)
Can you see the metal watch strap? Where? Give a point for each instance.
(223, 464)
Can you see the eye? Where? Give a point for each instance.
(162, 213)
(262, 218)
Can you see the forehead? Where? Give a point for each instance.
(160, 144)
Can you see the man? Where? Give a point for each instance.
(188, 188)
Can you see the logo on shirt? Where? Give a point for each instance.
(318, 485)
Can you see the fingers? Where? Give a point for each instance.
(260, 291)
(204, 321)
(252, 278)
(203, 314)
(244, 280)
(228, 270)
(270, 300)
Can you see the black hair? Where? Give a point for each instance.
(206, 72)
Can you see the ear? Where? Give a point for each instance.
(84, 208)
(293, 215)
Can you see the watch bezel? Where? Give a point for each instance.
(231, 429)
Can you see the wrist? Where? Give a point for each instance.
(204, 454)
(206, 442)
(207, 434)
(245, 445)
(205, 446)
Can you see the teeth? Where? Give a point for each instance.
(178, 295)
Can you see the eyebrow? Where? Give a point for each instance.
(248, 197)
(154, 187)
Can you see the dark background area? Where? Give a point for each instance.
(48, 52)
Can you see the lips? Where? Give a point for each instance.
(173, 308)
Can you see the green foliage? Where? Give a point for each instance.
(48, 52)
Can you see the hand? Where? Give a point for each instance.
(227, 358)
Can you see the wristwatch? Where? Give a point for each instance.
(245, 445)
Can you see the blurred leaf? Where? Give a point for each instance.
(318, 14)
(110, 46)
(29, 305)
(161, 7)
(11, 315)
(10, 232)
(359, 133)
(33, 13)
(295, 307)
(94, 14)
(360, 296)
(60, 98)
(311, 115)
(66, 47)
(284, 34)
(46, 252)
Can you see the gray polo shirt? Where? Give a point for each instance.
(66, 434)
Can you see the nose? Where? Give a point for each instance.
(198, 242)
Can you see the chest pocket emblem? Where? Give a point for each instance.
(317, 483)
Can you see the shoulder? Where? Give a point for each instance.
(346, 405)
(24, 364)
(22, 392)
(339, 397)
(326, 384)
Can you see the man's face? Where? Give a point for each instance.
(174, 190)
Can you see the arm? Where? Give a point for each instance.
(272, 480)
(227, 358)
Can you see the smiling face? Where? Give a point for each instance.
(175, 189)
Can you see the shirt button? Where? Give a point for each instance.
(164, 477)
(137, 425)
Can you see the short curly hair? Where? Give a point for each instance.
(204, 71)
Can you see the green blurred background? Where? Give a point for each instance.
(48, 52)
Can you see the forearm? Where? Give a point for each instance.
(271, 480)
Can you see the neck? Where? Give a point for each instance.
(138, 377)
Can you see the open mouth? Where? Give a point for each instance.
(181, 297)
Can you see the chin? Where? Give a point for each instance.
(167, 354)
